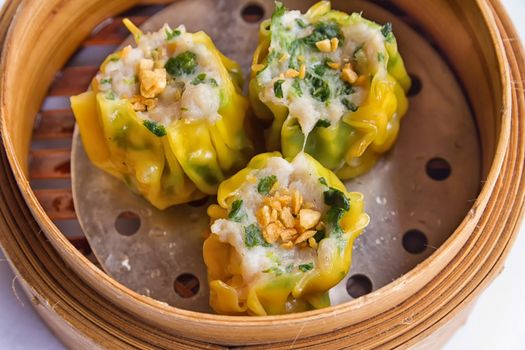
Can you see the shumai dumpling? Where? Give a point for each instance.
(166, 116)
(331, 84)
(281, 236)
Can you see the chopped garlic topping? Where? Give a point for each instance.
(141, 75)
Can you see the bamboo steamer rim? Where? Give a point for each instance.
(436, 258)
(334, 310)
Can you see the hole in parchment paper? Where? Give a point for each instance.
(358, 285)
(438, 169)
(415, 242)
(127, 223)
(186, 285)
(252, 13)
(416, 86)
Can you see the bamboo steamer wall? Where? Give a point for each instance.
(86, 308)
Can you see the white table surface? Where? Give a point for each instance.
(496, 322)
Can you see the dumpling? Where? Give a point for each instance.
(166, 116)
(281, 236)
(331, 84)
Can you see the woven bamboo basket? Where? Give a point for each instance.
(88, 309)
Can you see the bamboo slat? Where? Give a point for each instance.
(50, 164)
(72, 81)
(58, 203)
(54, 124)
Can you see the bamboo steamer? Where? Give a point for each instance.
(87, 309)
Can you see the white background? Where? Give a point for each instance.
(497, 321)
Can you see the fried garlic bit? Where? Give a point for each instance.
(328, 45)
(292, 73)
(287, 219)
(349, 75)
(324, 45)
(142, 104)
(152, 80)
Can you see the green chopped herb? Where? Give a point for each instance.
(295, 52)
(199, 79)
(114, 58)
(346, 89)
(386, 30)
(322, 31)
(319, 89)
(319, 235)
(332, 218)
(349, 105)
(236, 213)
(279, 10)
(157, 129)
(358, 50)
(380, 57)
(253, 236)
(336, 199)
(266, 184)
(106, 81)
(301, 23)
(325, 30)
(213, 82)
(296, 86)
(320, 69)
(184, 63)
(323, 123)
(306, 267)
(172, 34)
(340, 204)
(289, 268)
(278, 88)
